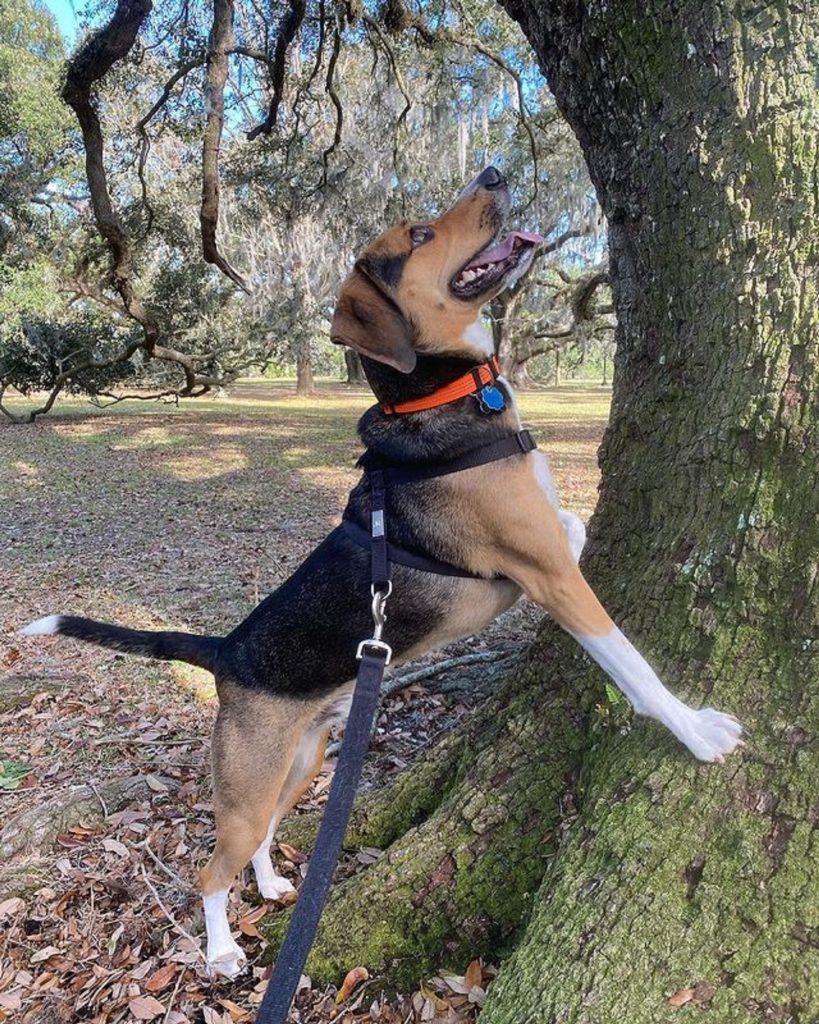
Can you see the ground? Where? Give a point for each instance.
(164, 517)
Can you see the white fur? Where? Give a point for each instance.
(575, 531)
(572, 524)
(512, 398)
(42, 627)
(224, 956)
(543, 476)
(478, 337)
(270, 883)
(707, 733)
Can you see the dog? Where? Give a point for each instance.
(411, 308)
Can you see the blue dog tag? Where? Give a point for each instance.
(490, 399)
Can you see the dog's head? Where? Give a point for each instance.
(420, 286)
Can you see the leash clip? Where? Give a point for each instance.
(379, 618)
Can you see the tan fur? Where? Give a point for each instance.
(255, 742)
(439, 319)
(508, 527)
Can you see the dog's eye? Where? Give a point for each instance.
(419, 234)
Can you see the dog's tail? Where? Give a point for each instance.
(196, 650)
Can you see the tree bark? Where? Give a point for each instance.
(674, 880)
(304, 373)
(355, 371)
(698, 123)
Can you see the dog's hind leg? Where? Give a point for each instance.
(306, 764)
(254, 745)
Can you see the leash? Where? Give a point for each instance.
(373, 656)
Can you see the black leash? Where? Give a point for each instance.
(313, 893)
(373, 656)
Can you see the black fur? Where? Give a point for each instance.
(197, 650)
(301, 640)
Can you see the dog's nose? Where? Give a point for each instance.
(491, 178)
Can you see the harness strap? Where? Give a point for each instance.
(400, 556)
(379, 560)
(313, 892)
(519, 443)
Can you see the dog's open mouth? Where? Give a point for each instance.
(491, 266)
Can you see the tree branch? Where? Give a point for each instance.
(91, 63)
(277, 66)
(221, 42)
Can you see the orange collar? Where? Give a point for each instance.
(470, 383)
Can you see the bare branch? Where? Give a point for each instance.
(287, 33)
(91, 63)
(141, 128)
(221, 42)
(331, 92)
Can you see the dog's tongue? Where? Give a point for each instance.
(504, 248)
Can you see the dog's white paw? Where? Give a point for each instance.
(275, 887)
(226, 962)
(710, 735)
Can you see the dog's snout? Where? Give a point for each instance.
(491, 178)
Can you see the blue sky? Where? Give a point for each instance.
(63, 11)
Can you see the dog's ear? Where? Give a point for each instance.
(369, 321)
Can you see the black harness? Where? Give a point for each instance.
(383, 554)
(374, 656)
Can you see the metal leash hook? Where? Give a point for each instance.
(379, 618)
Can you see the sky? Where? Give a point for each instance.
(63, 11)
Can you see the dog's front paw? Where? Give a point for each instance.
(710, 735)
(275, 887)
(227, 962)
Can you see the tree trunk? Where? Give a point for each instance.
(304, 373)
(699, 125)
(355, 371)
(674, 879)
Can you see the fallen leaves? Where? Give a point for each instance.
(353, 978)
(700, 996)
(90, 937)
(162, 978)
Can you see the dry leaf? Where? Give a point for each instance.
(146, 1007)
(292, 854)
(115, 846)
(43, 954)
(354, 977)
(685, 995)
(162, 978)
(247, 926)
(473, 975)
(12, 906)
(236, 1012)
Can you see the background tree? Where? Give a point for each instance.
(323, 140)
